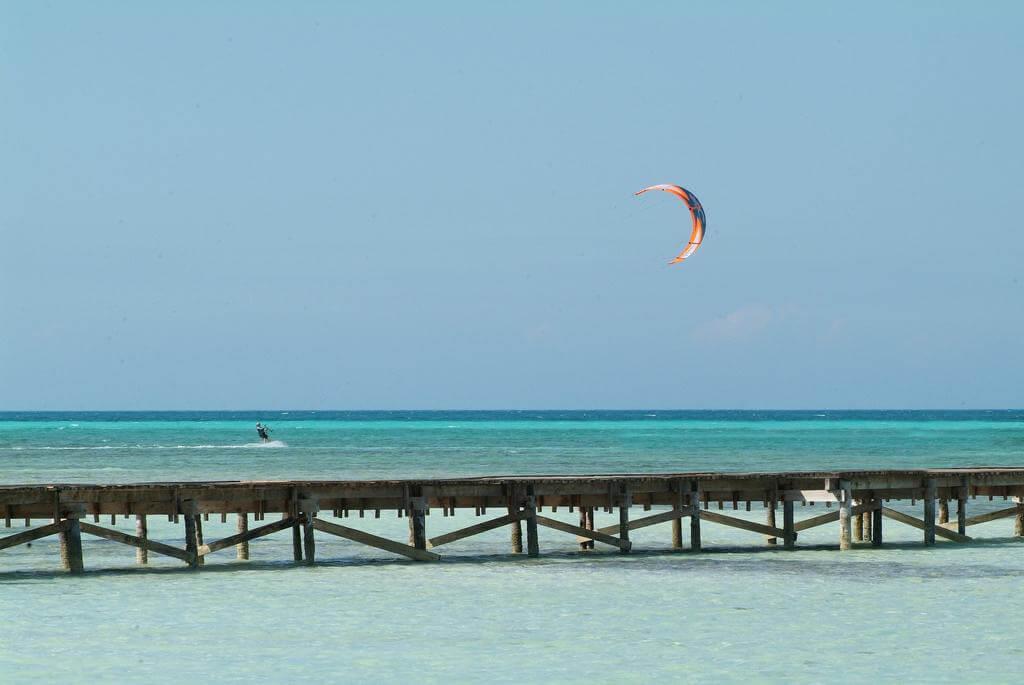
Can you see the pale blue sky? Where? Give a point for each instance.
(321, 205)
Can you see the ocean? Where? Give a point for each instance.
(740, 611)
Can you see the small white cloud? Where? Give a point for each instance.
(742, 324)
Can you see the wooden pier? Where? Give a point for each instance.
(859, 501)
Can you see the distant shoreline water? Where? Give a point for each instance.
(222, 445)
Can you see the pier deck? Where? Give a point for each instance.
(860, 499)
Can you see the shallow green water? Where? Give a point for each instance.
(740, 612)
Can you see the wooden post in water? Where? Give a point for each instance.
(1018, 521)
(308, 541)
(532, 544)
(242, 548)
(788, 524)
(943, 510)
(844, 515)
(141, 532)
(584, 543)
(309, 508)
(858, 527)
(199, 539)
(876, 523)
(677, 524)
(769, 518)
(961, 505)
(188, 509)
(74, 538)
(419, 522)
(695, 542)
(517, 529)
(867, 517)
(929, 511)
(625, 502)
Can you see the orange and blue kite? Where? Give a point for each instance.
(696, 211)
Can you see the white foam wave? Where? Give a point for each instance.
(88, 448)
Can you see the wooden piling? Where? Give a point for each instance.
(962, 493)
(625, 502)
(858, 527)
(190, 541)
(789, 539)
(141, 532)
(1018, 520)
(532, 543)
(677, 523)
(695, 496)
(583, 542)
(517, 530)
(418, 522)
(876, 524)
(769, 520)
(844, 516)
(242, 548)
(866, 524)
(199, 538)
(309, 542)
(74, 545)
(929, 511)
(943, 511)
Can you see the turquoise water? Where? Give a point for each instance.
(741, 612)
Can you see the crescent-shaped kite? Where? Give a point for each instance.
(696, 211)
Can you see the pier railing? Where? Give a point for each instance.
(857, 500)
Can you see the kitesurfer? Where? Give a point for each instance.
(264, 432)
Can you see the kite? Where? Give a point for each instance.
(696, 211)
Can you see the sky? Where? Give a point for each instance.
(306, 205)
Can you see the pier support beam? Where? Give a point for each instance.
(625, 502)
(876, 524)
(929, 511)
(517, 530)
(788, 524)
(961, 505)
(695, 543)
(677, 523)
(191, 550)
(1018, 521)
(530, 512)
(418, 522)
(866, 524)
(845, 505)
(142, 533)
(943, 511)
(858, 526)
(242, 548)
(74, 539)
(309, 509)
(769, 519)
(199, 539)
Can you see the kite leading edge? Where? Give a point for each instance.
(696, 211)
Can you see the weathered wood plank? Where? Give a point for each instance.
(742, 524)
(984, 518)
(30, 535)
(919, 524)
(374, 541)
(830, 517)
(670, 515)
(470, 531)
(125, 539)
(597, 535)
(246, 536)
